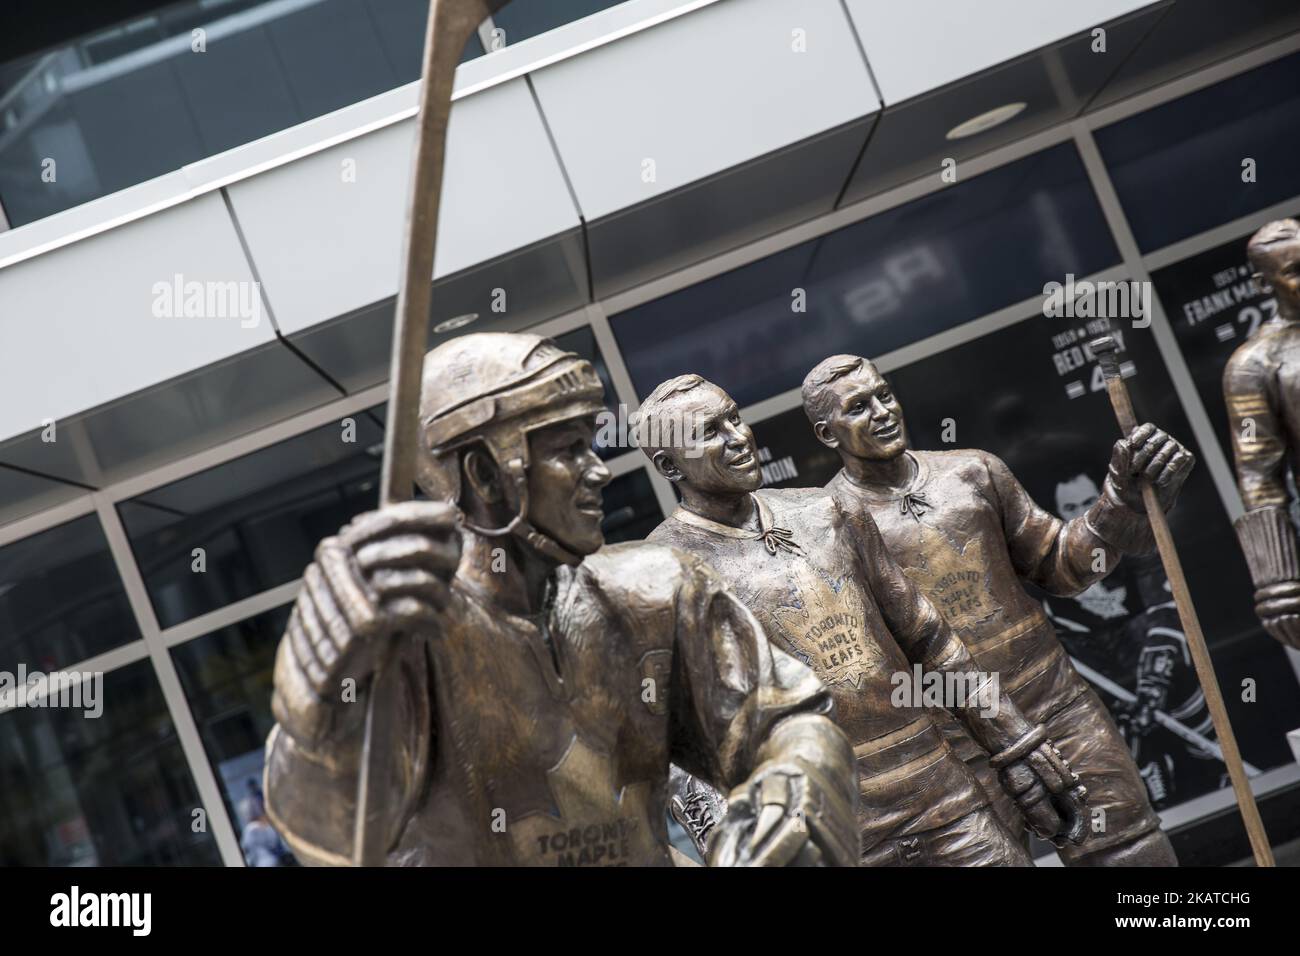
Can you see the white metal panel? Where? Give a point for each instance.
(96, 216)
(699, 94)
(77, 325)
(920, 45)
(324, 245)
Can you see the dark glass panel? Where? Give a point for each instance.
(106, 790)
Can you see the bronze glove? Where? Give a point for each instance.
(1047, 791)
(1150, 453)
(386, 572)
(798, 808)
(1268, 541)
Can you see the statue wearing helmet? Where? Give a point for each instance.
(543, 683)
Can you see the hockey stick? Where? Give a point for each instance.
(1107, 353)
(451, 24)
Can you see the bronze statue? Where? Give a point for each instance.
(1261, 385)
(819, 580)
(542, 683)
(967, 533)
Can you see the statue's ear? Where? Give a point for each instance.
(823, 433)
(480, 472)
(665, 465)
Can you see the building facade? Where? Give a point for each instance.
(199, 259)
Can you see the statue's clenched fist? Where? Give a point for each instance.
(1278, 607)
(1147, 452)
(386, 572)
(1045, 788)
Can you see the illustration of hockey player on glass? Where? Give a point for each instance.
(1124, 637)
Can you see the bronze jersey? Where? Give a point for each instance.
(967, 533)
(551, 746)
(831, 596)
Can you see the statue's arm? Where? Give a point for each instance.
(1065, 557)
(1033, 772)
(1257, 431)
(384, 574)
(749, 719)
(1268, 539)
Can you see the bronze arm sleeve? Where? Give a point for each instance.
(312, 754)
(731, 687)
(1267, 537)
(987, 712)
(915, 623)
(1058, 556)
(1268, 542)
(1258, 441)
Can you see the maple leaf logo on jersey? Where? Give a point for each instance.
(955, 579)
(824, 623)
(596, 822)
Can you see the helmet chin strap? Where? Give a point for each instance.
(522, 528)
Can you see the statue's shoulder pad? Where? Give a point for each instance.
(638, 563)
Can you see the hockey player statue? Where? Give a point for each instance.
(968, 534)
(821, 583)
(542, 684)
(1261, 386)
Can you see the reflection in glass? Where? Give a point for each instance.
(252, 523)
(139, 99)
(631, 508)
(61, 600)
(1180, 168)
(227, 680)
(792, 456)
(108, 791)
(876, 285)
(519, 21)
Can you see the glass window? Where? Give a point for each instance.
(519, 21)
(107, 789)
(631, 509)
(253, 523)
(61, 600)
(876, 285)
(609, 440)
(790, 453)
(138, 100)
(1178, 168)
(227, 677)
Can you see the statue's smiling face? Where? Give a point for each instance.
(1076, 496)
(864, 417)
(721, 455)
(565, 478)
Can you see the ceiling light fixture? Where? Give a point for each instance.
(986, 121)
(452, 324)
